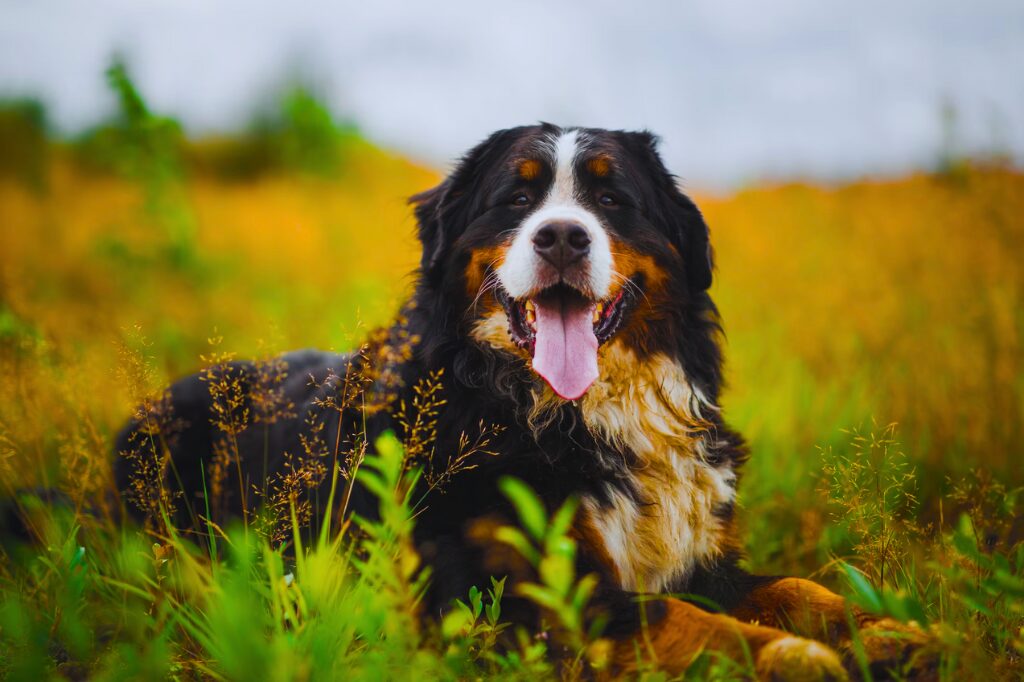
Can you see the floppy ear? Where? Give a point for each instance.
(682, 218)
(430, 224)
(443, 212)
(693, 240)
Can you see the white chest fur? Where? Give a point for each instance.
(651, 408)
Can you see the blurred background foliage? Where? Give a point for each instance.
(848, 307)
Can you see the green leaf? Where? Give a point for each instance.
(964, 540)
(528, 506)
(903, 607)
(497, 588)
(584, 589)
(390, 457)
(561, 522)
(540, 595)
(476, 601)
(864, 593)
(1011, 584)
(515, 538)
(496, 592)
(557, 572)
(456, 622)
(374, 483)
(77, 558)
(560, 545)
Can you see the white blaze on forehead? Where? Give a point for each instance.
(563, 189)
(519, 273)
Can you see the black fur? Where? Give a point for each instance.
(486, 386)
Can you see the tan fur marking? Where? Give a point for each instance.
(529, 169)
(686, 631)
(629, 263)
(492, 330)
(482, 261)
(796, 605)
(641, 325)
(811, 610)
(799, 660)
(600, 165)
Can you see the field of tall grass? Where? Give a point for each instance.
(875, 364)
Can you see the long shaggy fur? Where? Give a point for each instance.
(646, 449)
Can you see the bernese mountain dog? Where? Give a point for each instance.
(562, 305)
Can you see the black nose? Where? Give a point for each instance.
(561, 243)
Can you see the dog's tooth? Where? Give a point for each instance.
(597, 314)
(529, 306)
(531, 317)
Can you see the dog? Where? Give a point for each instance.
(562, 307)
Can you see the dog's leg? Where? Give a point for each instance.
(684, 631)
(806, 608)
(799, 606)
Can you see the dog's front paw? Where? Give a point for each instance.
(795, 659)
(893, 650)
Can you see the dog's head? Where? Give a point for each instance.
(552, 241)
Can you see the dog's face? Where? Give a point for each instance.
(551, 242)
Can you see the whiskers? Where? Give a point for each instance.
(489, 284)
(629, 285)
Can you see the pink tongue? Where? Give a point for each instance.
(566, 350)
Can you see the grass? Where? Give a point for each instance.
(875, 364)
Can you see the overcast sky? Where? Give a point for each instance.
(737, 90)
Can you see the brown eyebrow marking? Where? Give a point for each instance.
(600, 165)
(529, 169)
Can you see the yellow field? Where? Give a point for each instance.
(280, 263)
(899, 300)
(893, 301)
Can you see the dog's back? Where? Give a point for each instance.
(237, 418)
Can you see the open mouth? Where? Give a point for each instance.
(562, 329)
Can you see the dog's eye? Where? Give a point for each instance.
(607, 199)
(520, 199)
